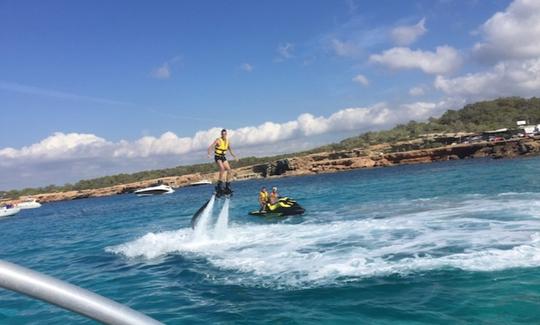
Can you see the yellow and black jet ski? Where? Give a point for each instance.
(283, 207)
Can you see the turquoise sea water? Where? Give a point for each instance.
(453, 242)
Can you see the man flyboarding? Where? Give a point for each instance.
(220, 146)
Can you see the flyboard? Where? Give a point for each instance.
(219, 192)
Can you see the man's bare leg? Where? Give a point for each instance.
(222, 174)
(227, 168)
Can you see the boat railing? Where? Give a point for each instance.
(76, 299)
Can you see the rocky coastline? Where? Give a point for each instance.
(325, 162)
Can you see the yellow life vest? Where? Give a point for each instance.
(221, 147)
(263, 196)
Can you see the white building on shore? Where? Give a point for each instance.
(528, 128)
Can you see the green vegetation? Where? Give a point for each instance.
(477, 117)
(106, 181)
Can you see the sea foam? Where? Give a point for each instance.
(474, 234)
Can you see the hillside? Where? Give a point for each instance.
(480, 116)
(477, 117)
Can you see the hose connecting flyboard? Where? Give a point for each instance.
(68, 296)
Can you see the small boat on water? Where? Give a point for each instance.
(28, 204)
(201, 182)
(6, 212)
(154, 190)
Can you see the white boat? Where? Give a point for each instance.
(154, 190)
(6, 212)
(29, 204)
(201, 182)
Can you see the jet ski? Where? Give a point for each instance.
(283, 207)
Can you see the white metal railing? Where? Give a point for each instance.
(68, 296)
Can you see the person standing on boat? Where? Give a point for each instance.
(220, 146)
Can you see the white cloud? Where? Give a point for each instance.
(68, 157)
(423, 110)
(246, 67)
(513, 33)
(285, 51)
(345, 120)
(406, 35)
(445, 59)
(509, 38)
(417, 91)
(419, 111)
(345, 49)
(165, 70)
(353, 38)
(361, 79)
(508, 78)
(60, 146)
(162, 72)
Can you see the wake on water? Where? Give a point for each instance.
(203, 230)
(477, 233)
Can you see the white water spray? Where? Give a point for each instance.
(481, 233)
(220, 231)
(201, 228)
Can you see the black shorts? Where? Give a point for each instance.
(220, 157)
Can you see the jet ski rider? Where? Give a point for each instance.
(274, 196)
(220, 146)
(263, 199)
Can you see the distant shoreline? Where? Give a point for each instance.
(319, 163)
(476, 130)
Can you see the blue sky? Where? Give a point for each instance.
(96, 84)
